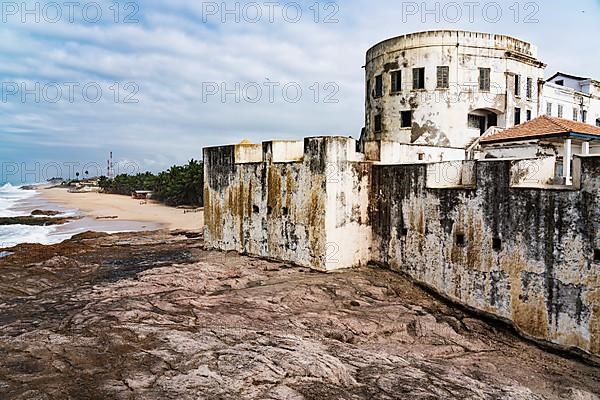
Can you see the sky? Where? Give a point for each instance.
(156, 81)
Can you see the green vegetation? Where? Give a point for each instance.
(180, 185)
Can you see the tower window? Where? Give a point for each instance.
(443, 77)
(474, 121)
(484, 79)
(418, 78)
(396, 77)
(379, 86)
(406, 119)
(378, 124)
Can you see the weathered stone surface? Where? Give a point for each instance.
(154, 316)
(526, 255)
(440, 115)
(294, 211)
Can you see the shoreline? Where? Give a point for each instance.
(115, 211)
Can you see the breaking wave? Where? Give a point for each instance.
(12, 235)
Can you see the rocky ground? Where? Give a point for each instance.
(154, 316)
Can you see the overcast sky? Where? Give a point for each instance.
(162, 67)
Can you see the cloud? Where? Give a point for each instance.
(176, 49)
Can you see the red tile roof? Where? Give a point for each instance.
(541, 127)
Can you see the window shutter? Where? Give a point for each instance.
(446, 77)
(415, 78)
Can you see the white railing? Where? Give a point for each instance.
(492, 130)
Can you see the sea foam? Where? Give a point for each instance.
(12, 235)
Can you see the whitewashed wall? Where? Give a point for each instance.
(441, 115)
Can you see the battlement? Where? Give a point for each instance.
(289, 201)
(281, 151)
(530, 173)
(486, 237)
(453, 38)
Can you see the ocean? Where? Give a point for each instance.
(14, 202)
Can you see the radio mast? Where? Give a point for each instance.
(109, 166)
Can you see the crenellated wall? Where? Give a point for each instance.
(487, 234)
(528, 255)
(305, 203)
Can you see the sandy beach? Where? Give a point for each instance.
(100, 206)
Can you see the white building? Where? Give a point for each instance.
(431, 96)
(551, 142)
(572, 97)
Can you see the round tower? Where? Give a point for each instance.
(445, 88)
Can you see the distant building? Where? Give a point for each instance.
(86, 187)
(142, 194)
(55, 181)
(571, 97)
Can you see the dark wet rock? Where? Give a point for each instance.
(47, 213)
(33, 221)
(188, 234)
(154, 316)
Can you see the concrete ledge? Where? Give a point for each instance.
(248, 153)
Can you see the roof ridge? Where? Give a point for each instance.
(558, 122)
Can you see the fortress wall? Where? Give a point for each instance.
(527, 255)
(312, 211)
(472, 231)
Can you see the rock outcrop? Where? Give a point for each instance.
(155, 316)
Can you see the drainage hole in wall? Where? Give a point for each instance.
(497, 244)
